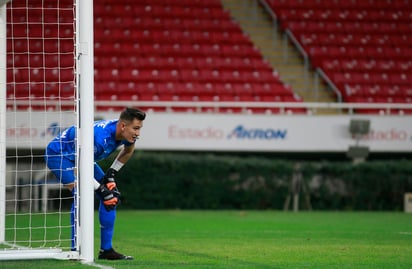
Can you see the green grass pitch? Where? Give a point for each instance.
(254, 239)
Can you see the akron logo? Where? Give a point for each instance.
(240, 132)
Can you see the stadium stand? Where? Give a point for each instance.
(180, 51)
(362, 46)
(40, 58)
(158, 50)
(165, 50)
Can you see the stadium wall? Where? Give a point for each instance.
(233, 132)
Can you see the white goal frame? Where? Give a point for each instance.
(85, 117)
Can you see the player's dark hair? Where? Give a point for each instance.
(129, 114)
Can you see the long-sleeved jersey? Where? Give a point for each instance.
(104, 141)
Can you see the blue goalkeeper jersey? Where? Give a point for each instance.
(104, 141)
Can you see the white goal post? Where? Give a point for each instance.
(3, 65)
(27, 230)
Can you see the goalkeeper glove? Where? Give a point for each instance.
(109, 181)
(108, 198)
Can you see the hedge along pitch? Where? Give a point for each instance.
(373, 185)
(202, 181)
(157, 180)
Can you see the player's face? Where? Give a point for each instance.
(131, 130)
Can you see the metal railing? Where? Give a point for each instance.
(288, 36)
(285, 108)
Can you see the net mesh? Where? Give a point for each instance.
(41, 102)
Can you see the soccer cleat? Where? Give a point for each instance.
(111, 254)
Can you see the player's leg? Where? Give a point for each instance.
(63, 169)
(73, 218)
(107, 219)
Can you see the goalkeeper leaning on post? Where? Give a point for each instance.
(108, 136)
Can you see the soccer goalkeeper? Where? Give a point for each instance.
(108, 136)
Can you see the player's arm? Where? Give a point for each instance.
(107, 190)
(109, 178)
(124, 155)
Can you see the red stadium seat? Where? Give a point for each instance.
(371, 37)
(150, 50)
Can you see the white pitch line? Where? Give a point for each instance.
(98, 265)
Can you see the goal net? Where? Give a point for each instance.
(39, 86)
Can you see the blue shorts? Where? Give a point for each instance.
(63, 168)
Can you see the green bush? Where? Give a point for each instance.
(374, 185)
(155, 180)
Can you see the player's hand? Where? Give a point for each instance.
(110, 183)
(109, 179)
(108, 197)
